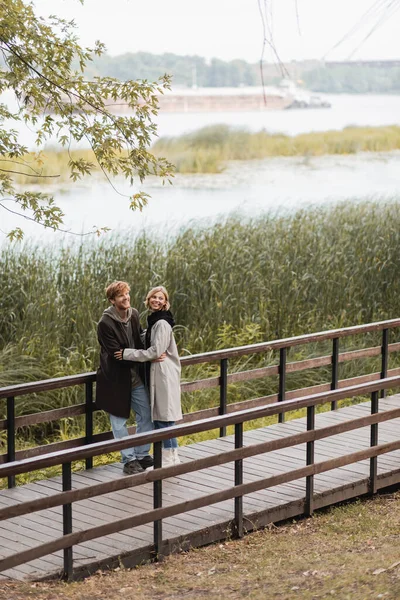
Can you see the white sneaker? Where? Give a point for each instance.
(177, 460)
(167, 457)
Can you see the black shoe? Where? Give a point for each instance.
(146, 461)
(132, 467)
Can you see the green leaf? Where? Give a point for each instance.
(44, 67)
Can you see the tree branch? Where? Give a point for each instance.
(28, 218)
(28, 174)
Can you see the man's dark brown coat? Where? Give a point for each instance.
(113, 384)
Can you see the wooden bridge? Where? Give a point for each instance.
(72, 525)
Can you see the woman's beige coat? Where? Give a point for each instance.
(165, 376)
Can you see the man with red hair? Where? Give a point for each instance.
(120, 384)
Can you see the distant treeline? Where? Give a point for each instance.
(353, 79)
(186, 70)
(196, 70)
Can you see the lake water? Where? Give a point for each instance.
(346, 110)
(249, 187)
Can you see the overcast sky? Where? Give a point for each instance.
(230, 29)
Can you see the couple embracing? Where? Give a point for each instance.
(139, 371)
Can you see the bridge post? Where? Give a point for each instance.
(223, 389)
(157, 502)
(385, 357)
(67, 521)
(335, 370)
(309, 504)
(11, 436)
(282, 380)
(373, 468)
(89, 420)
(239, 481)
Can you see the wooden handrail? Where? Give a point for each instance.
(71, 380)
(289, 342)
(204, 413)
(201, 384)
(66, 456)
(46, 385)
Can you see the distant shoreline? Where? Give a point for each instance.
(208, 149)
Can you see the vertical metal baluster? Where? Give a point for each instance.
(67, 520)
(157, 502)
(373, 468)
(11, 437)
(239, 481)
(223, 387)
(335, 370)
(282, 381)
(385, 357)
(89, 420)
(309, 507)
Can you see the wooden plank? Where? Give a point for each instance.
(362, 436)
(12, 541)
(81, 514)
(166, 486)
(212, 480)
(53, 518)
(279, 458)
(253, 374)
(286, 452)
(346, 471)
(146, 494)
(269, 428)
(99, 549)
(81, 553)
(199, 384)
(124, 504)
(223, 473)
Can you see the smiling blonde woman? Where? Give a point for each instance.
(164, 375)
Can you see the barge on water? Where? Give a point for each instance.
(237, 99)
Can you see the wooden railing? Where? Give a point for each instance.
(68, 540)
(223, 380)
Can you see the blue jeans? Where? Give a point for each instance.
(173, 442)
(141, 406)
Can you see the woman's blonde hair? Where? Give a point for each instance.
(153, 291)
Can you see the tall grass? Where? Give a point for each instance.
(206, 150)
(232, 283)
(48, 167)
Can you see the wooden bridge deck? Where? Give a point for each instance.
(204, 525)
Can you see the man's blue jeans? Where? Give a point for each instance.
(141, 406)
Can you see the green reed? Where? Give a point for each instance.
(208, 149)
(232, 283)
(47, 167)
